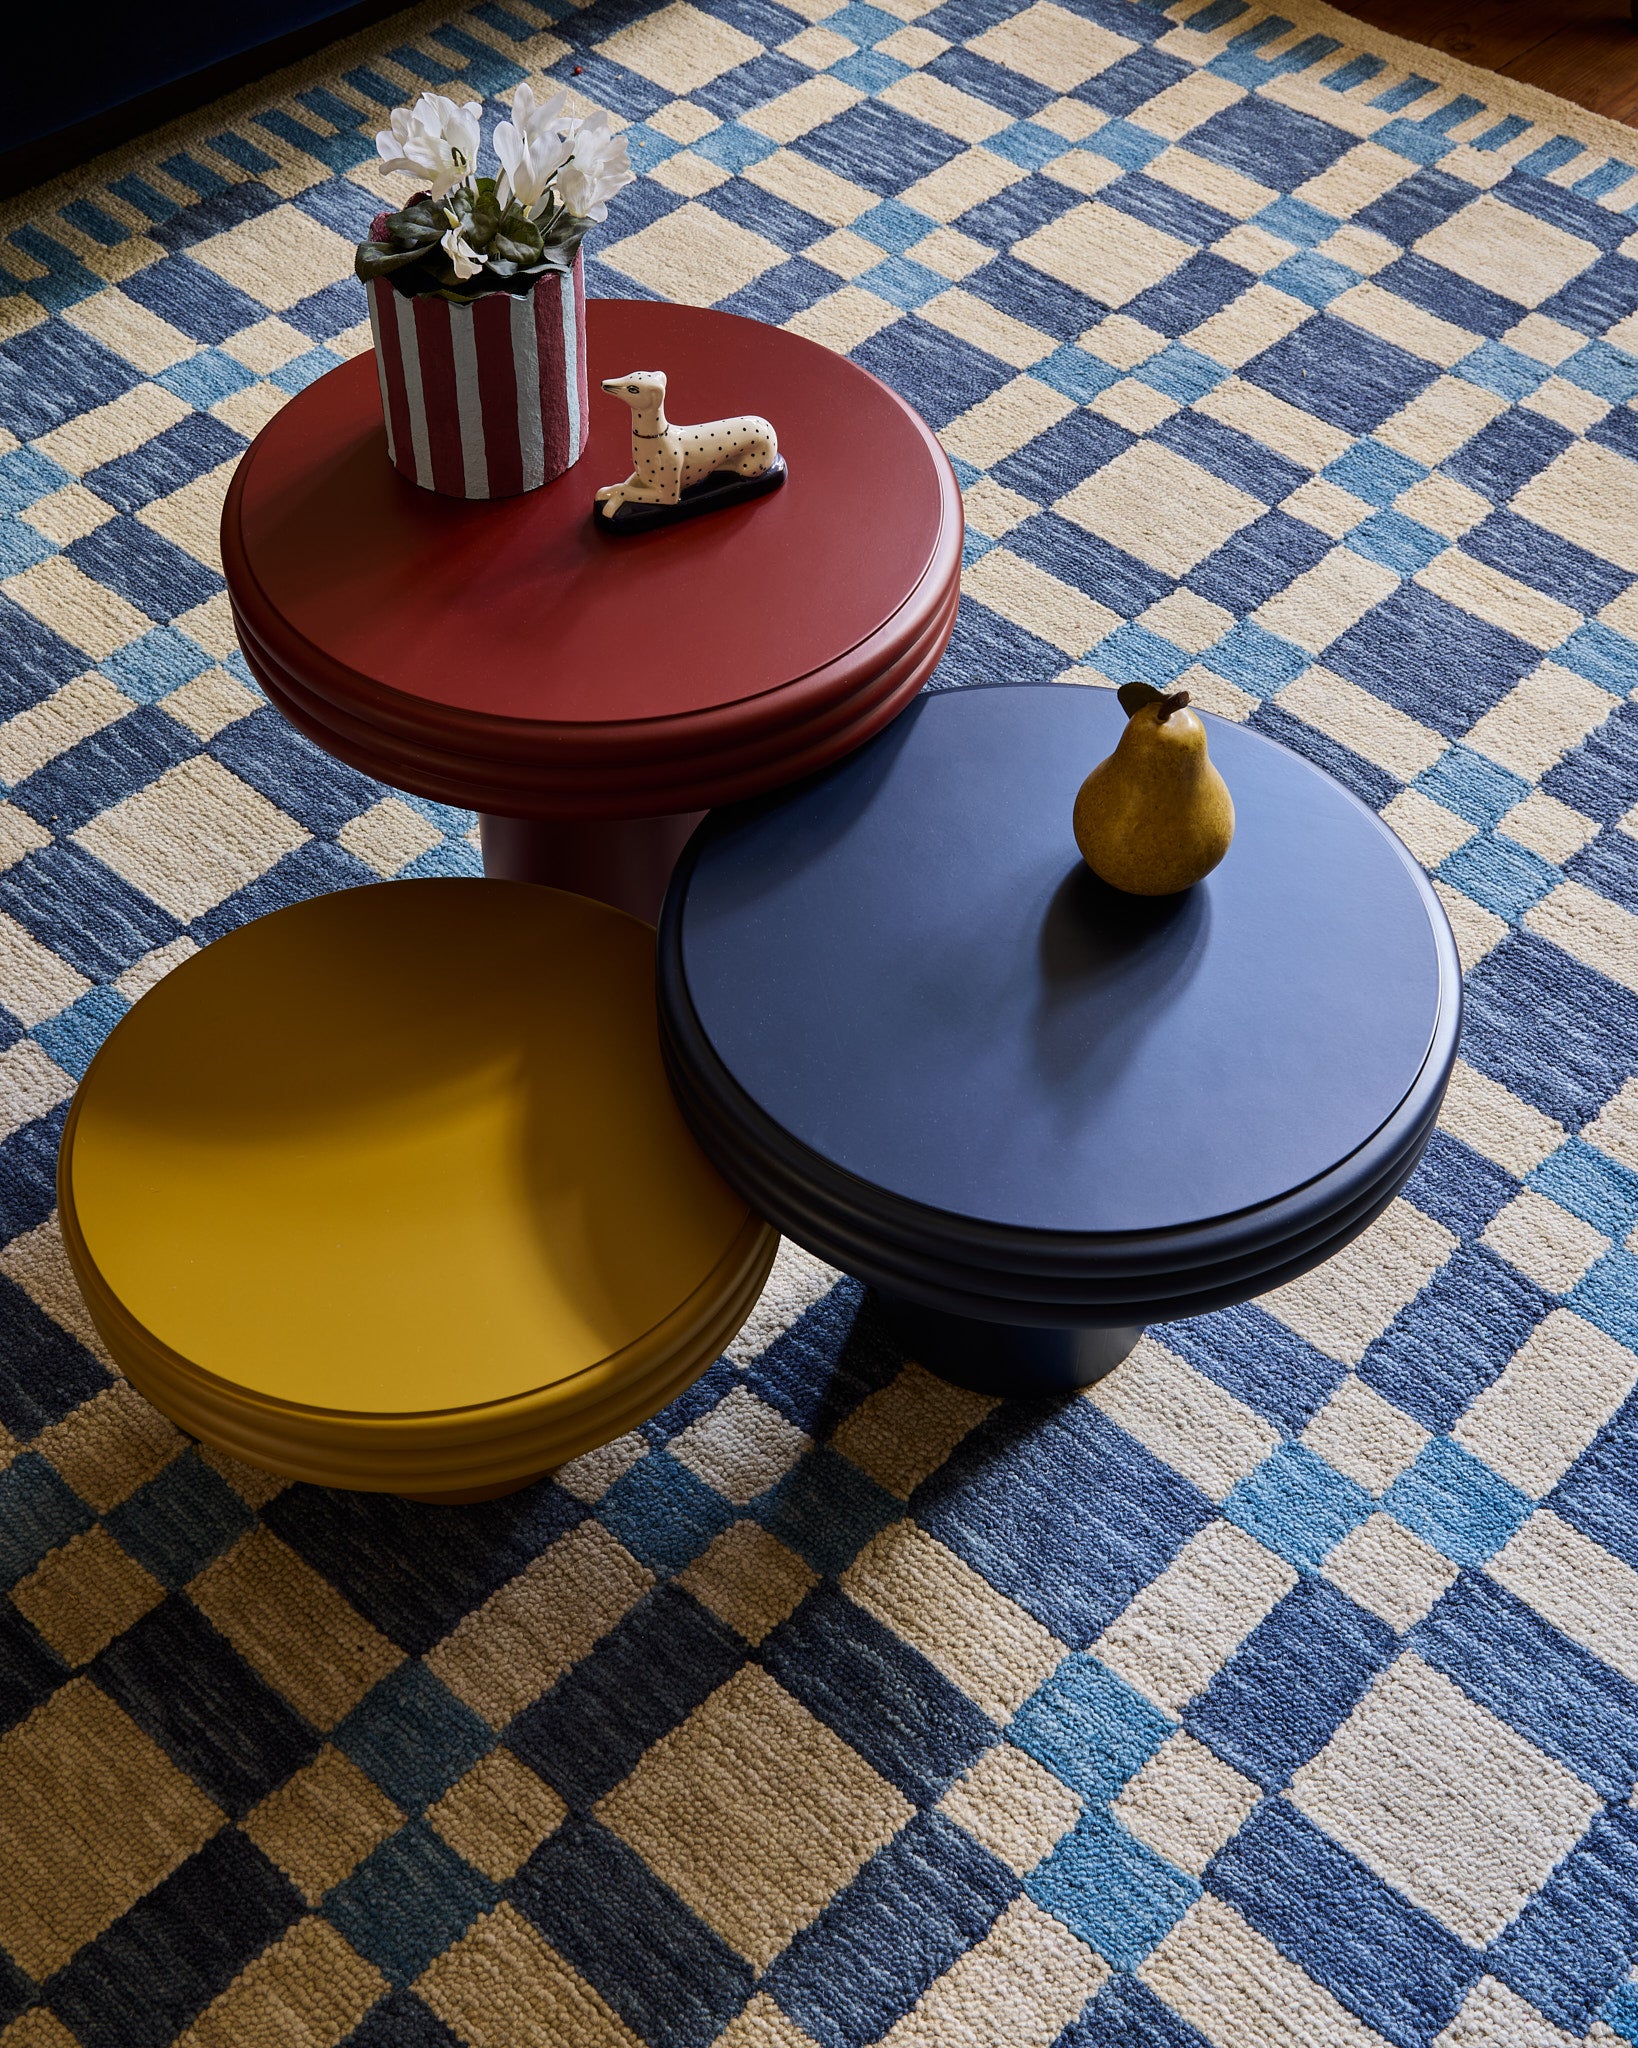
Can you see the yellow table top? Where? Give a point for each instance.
(401, 1149)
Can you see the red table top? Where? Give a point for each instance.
(514, 623)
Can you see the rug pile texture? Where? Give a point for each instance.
(1281, 1694)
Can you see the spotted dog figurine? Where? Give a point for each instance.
(681, 471)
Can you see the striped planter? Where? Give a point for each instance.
(485, 400)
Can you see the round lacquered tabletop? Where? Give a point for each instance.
(510, 655)
(907, 972)
(402, 1150)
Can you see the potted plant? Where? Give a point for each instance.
(477, 295)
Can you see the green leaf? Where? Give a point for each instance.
(376, 259)
(517, 242)
(417, 225)
(416, 279)
(483, 221)
(515, 222)
(563, 238)
(410, 233)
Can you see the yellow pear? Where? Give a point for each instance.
(1156, 815)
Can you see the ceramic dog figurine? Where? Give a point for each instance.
(679, 472)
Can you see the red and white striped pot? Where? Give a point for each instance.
(484, 400)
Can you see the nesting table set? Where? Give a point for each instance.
(388, 1190)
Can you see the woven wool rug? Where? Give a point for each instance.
(1283, 1691)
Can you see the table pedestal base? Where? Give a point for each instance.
(463, 1497)
(623, 861)
(1009, 1359)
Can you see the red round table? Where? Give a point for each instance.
(591, 694)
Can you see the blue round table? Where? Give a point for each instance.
(912, 1028)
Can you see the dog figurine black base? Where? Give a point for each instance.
(717, 491)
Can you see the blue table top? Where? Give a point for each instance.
(907, 966)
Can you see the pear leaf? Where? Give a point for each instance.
(1133, 696)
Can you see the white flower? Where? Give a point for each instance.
(467, 260)
(597, 169)
(434, 139)
(533, 146)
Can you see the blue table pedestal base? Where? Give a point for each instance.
(1008, 1359)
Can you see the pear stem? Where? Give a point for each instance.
(1167, 705)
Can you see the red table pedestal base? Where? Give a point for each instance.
(623, 861)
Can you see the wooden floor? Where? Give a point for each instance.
(1585, 50)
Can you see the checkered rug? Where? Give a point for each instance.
(1285, 1690)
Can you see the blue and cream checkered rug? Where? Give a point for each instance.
(1285, 1691)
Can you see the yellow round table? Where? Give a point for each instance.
(387, 1191)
